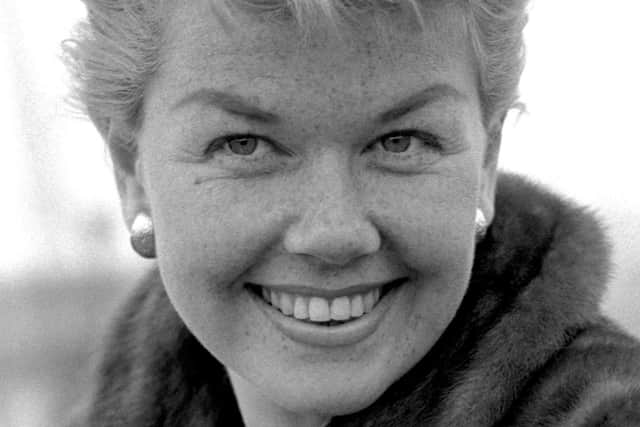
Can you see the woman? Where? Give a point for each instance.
(316, 180)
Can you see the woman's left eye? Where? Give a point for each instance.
(396, 144)
(408, 142)
(407, 151)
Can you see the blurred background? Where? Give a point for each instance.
(65, 261)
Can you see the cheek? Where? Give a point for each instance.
(429, 227)
(442, 270)
(212, 230)
(207, 236)
(429, 221)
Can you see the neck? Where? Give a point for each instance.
(259, 411)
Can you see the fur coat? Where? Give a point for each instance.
(527, 347)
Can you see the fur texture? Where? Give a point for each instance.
(528, 346)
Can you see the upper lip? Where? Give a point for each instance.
(326, 293)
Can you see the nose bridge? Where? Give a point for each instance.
(333, 207)
(333, 224)
(333, 193)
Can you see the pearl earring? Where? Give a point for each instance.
(142, 237)
(481, 225)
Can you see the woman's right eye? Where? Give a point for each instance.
(249, 146)
(243, 146)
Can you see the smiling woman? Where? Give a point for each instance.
(334, 244)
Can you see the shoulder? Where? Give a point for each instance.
(591, 375)
(529, 345)
(593, 381)
(153, 371)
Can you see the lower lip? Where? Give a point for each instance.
(345, 334)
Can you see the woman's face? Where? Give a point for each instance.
(338, 177)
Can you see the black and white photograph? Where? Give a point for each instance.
(319, 213)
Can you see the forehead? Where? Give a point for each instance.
(204, 47)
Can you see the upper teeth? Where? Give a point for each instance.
(318, 309)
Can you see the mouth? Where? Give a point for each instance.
(320, 311)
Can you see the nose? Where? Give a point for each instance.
(333, 226)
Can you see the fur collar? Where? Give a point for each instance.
(537, 280)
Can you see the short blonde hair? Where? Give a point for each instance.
(115, 52)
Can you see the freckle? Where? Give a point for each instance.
(198, 180)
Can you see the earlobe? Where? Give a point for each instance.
(127, 168)
(490, 173)
(133, 197)
(487, 194)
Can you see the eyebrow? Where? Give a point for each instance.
(238, 106)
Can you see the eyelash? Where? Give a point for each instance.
(428, 138)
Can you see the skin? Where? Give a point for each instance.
(323, 203)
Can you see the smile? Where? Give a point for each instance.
(324, 310)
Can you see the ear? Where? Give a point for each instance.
(128, 171)
(489, 174)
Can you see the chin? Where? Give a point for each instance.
(349, 399)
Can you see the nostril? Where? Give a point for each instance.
(333, 244)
